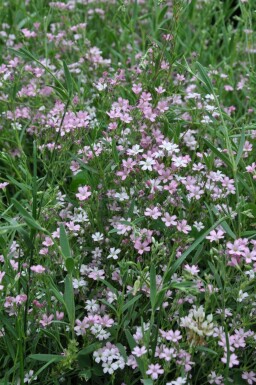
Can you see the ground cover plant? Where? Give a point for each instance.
(127, 192)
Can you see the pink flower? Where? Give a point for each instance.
(171, 335)
(141, 246)
(232, 360)
(84, 193)
(138, 352)
(183, 226)
(152, 212)
(46, 320)
(215, 236)
(38, 269)
(3, 185)
(169, 220)
(154, 371)
(193, 269)
(59, 315)
(250, 377)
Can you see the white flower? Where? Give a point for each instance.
(97, 237)
(114, 253)
(122, 196)
(135, 150)
(147, 164)
(242, 295)
(169, 147)
(179, 381)
(92, 306)
(197, 322)
(28, 377)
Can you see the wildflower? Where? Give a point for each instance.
(170, 335)
(192, 269)
(138, 352)
(215, 379)
(215, 236)
(96, 274)
(152, 212)
(183, 226)
(38, 269)
(241, 296)
(97, 237)
(84, 193)
(114, 253)
(147, 164)
(178, 381)
(28, 377)
(46, 320)
(3, 185)
(154, 371)
(232, 360)
(198, 323)
(250, 377)
(169, 220)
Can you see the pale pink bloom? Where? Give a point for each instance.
(250, 377)
(96, 274)
(169, 220)
(38, 269)
(59, 315)
(84, 193)
(152, 212)
(3, 185)
(138, 352)
(183, 226)
(232, 360)
(170, 335)
(46, 320)
(48, 242)
(154, 371)
(160, 90)
(215, 236)
(192, 269)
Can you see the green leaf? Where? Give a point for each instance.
(56, 293)
(64, 243)
(216, 275)
(220, 155)
(115, 152)
(153, 291)
(206, 350)
(241, 146)
(70, 264)
(46, 357)
(27, 216)
(4, 229)
(89, 349)
(44, 367)
(147, 381)
(132, 343)
(86, 374)
(114, 290)
(65, 248)
(68, 79)
(69, 299)
(130, 303)
(22, 186)
(84, 165)
(122, 351)
(183, 286)
(205, 78)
